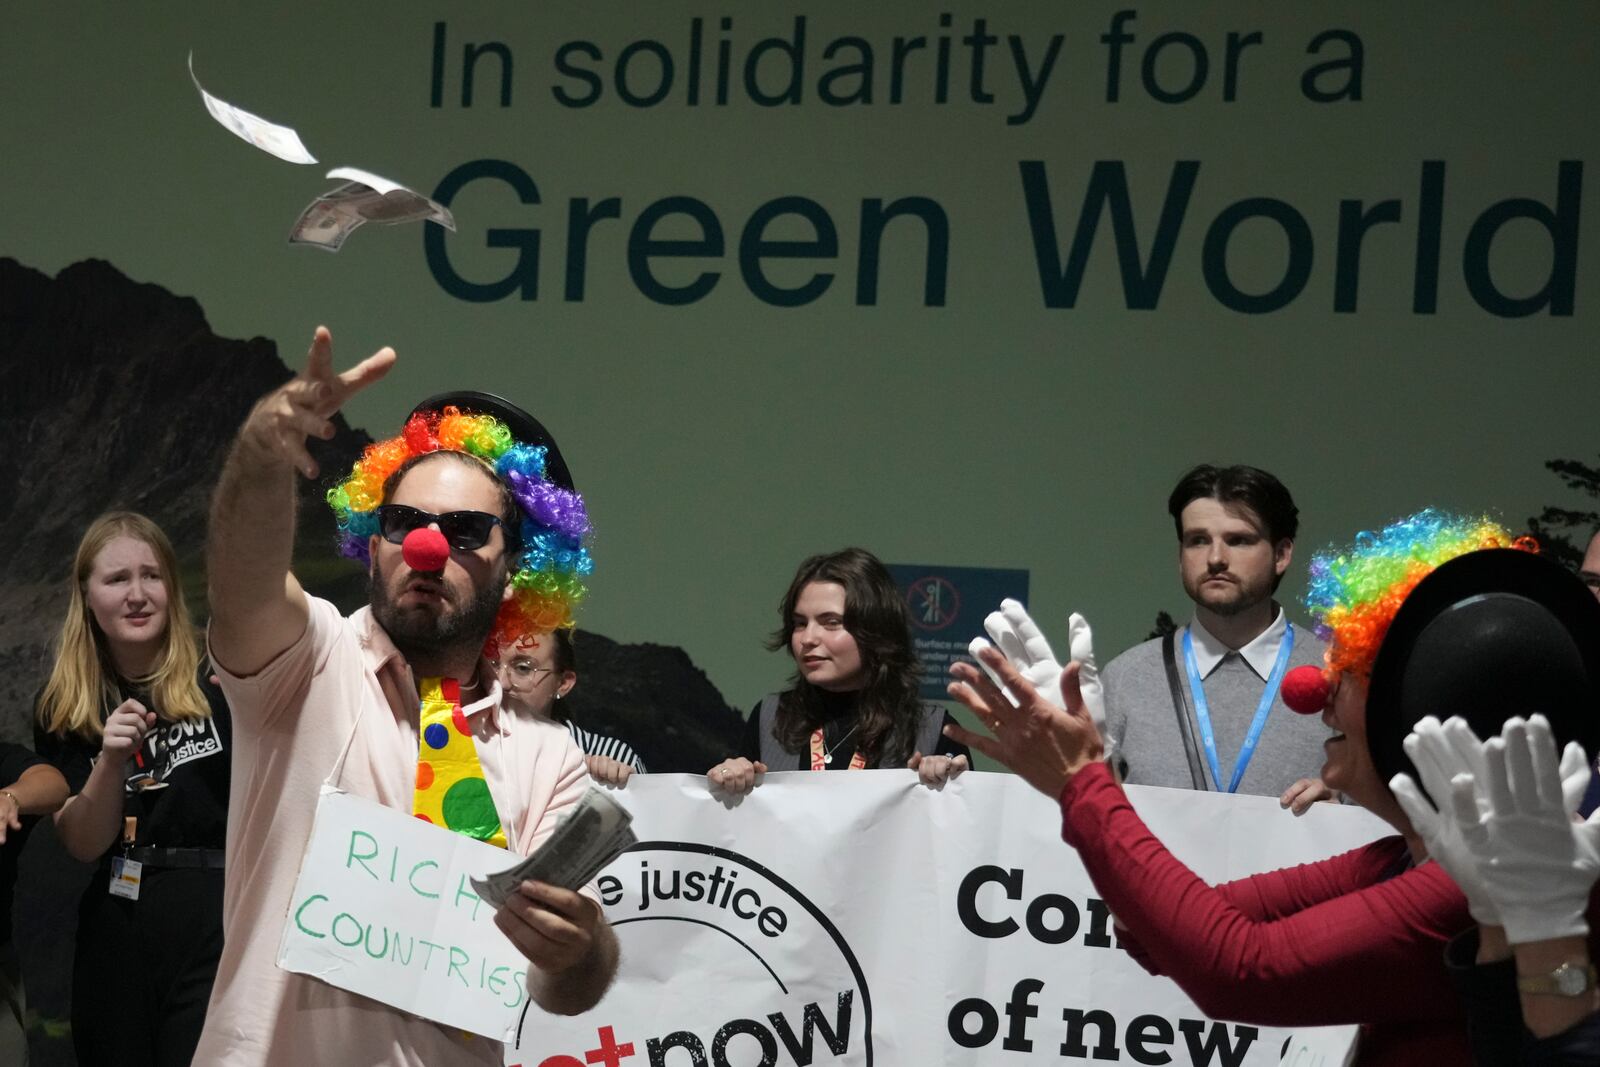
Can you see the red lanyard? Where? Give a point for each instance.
(819, 762)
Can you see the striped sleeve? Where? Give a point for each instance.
(597, 745)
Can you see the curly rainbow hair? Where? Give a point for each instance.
(550, 558)
(1355, 592)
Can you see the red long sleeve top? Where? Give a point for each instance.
(1357, 938)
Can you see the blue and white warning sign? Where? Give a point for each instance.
(947, 606)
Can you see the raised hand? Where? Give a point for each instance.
(1044, 742)
(1537, 863)
(1442, 753)
(281, 421)
(1080, 646)
(258, 609)
(125, 731)
(1021, 641)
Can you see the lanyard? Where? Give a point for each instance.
(1202, 712)
(821, 757)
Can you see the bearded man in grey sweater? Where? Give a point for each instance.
(1200, 708)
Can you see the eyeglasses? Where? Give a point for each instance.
(524, 671)
(464, 530)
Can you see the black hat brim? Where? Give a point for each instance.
(1488, 635)
(524, 427)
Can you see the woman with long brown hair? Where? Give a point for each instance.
(853, 702)
(130, 718)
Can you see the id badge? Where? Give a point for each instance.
(125, 875)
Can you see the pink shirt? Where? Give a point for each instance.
(344, 681)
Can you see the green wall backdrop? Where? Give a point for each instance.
(721, 439)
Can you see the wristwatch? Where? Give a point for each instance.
(1567, 980)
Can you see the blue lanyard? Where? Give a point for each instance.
(1202, 712)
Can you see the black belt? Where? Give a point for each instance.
(210, 859)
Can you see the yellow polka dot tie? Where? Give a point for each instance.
(451, 791)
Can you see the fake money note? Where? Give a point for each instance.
(595, 833)
(324, 225)
(280, 141)
(364, 197)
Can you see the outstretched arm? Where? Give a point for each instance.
(1313, 967)
(257, 607)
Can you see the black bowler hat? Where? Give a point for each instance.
(1486, 636)
(524, 427)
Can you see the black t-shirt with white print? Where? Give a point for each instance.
(177, 785)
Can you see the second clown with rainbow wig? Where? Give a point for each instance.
(1435, 613)
(396, 703)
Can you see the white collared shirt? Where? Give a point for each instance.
(1261, 653)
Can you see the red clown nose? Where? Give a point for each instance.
(425, 549)
(1304, 689)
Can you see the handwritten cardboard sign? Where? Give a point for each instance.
(384, 908)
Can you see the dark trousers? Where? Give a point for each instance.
(13, 1015)
(144, 969)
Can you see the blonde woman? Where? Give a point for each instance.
(130, 719)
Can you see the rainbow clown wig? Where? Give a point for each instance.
(550, 557)
(1355, 592)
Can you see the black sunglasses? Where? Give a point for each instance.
(464, 530)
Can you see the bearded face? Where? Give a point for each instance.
(442, 615)
(425, 616)
(1226, 560)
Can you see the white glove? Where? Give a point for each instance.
(1537, 863)
(1441, 752)
(1022, 642)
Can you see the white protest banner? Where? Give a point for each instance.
(1326, 1046)
(865, 919)
(383, 907)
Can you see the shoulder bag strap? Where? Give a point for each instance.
(1180, 707)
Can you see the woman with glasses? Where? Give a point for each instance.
(129, 717)
(537, 671)
(854, 701)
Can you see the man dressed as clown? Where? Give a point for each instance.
(466, 519)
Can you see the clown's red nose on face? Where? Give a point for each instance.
(425, 549)
(1304, 689)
